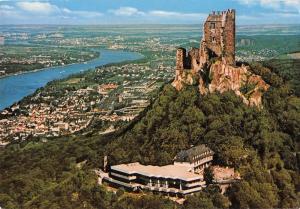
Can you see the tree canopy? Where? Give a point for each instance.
(263, 145)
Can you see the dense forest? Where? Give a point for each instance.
(262, 144)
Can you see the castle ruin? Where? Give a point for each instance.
(213, 65)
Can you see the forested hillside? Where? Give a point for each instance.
(263, 145)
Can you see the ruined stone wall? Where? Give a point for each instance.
(218, 41)
(194, 59)
(213, 33)
(180, 59)
(219, 35)
(229, 38)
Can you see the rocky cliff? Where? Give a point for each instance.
(213, 66)
(220, 77)
(245, 84)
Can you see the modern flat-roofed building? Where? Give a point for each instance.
(169, 179)
(182, 178)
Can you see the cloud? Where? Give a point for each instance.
(85, 14)
(8, 12)
(131, 11)
(45, 11)
(265, 16)
(274, 4)
(170, 14)
(268, 18)
(126, 11)
(32, 11)
(6, 7)
(37, 7)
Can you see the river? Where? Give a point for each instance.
(14, 88)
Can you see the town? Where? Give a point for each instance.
(15, 59)
(112, 95)
(65, 47)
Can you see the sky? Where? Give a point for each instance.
(78, 12)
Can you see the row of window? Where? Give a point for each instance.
(201, 156)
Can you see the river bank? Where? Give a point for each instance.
(14, 88)
(44, 68)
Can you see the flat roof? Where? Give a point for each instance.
(169, 171)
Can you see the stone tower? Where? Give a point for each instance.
(219, 35)
(180, 60)
(218, 41)
(213, 65)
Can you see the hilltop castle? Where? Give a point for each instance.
(213, 65)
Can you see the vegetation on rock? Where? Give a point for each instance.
(263, 145)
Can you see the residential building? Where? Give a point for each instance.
(195, 159)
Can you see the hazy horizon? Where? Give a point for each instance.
(248, 12)
(143, 24)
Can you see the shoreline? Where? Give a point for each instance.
(116, 62)
(41, 69)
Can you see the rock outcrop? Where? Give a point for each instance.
(213, 66)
